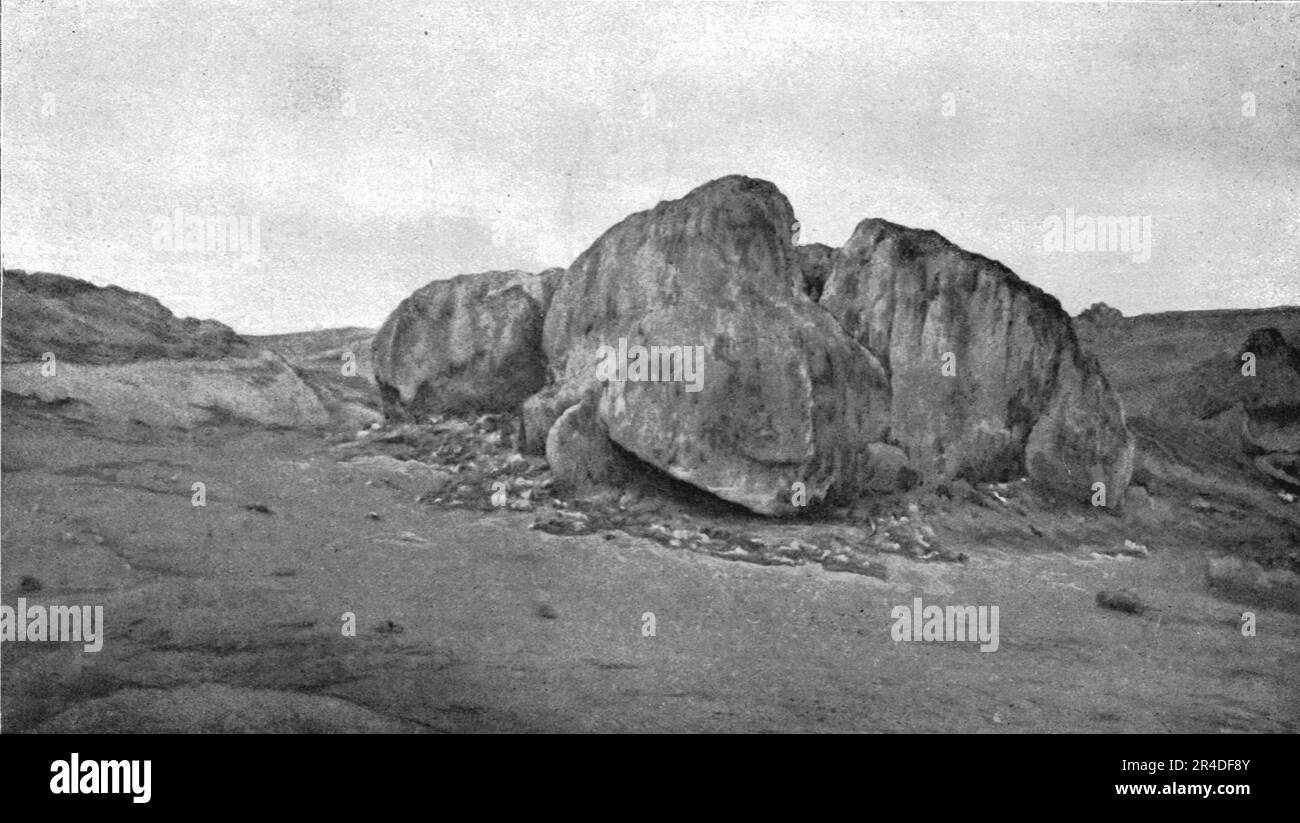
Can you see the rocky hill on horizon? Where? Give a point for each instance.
(110, 354)
(85, 323)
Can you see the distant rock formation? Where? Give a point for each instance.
(85, 323)
(109, 353)
(1272, 392)
(1271, 402)
(1100, 313)
(820, 370)
(815, 260)
(336, 364)
(1253, 390)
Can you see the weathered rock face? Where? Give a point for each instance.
(1101, 313)
(815, 262)
(784, 396)
(1271, 397)
(471, 344)
(1260, 381)
(1081, 438)
(579, 449)
(1271, 401)
(176, 393)
(699, 340)
(978, 361)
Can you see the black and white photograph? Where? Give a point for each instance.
(651, 368)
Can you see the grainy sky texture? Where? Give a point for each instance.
(383, 145)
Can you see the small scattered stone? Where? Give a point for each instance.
(1135, 549)
(1122, 602)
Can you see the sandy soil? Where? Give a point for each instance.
(225, 618)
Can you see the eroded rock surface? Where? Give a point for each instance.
(782, 395)
(111, 354)
(898, 358)
(988, 380)
(83, 323)
(468, 345)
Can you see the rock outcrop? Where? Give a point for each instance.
(261, 390)
(83, 323)
(1270, 398)
(696, 338)
(815, 261)
(1270, 392)
(1081, 439)
(1252, 393)
(468, 345)
(112, 354)
(335, 363)
(1101, 313)
(780, 394)
(988, 379)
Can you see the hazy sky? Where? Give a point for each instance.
(383, 145)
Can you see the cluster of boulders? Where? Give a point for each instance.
(696, 338)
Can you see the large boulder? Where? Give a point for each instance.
(1081, 439)
(978, 361)
(467, 345)
(780, 394)
(579, 449)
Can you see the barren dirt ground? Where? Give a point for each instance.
(225, 618)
